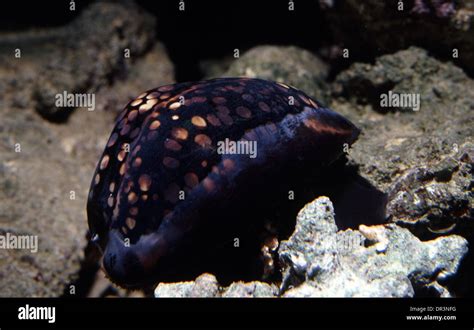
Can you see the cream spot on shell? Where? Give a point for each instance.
(122, 123)
(248, 97)
(122, 169)
(136, 102)
(104, 162)
(97, 178)
(203, 140)
(125, 130)
(153, 95)
(112, 140)
(137, 162)
(213, 120)
(136, 150)
(198, 121)
(235, 89)
(128, 187)
(170, 162)
(208, 184)
(144, 181)
(142, 95)
(191, 179)
(250, 135)
(110, 201)
(174, 105)
(172, 145)
(166, 88)
(263, 106)
(227, 166)
(121, 155)
(175, 117)
(112, 187)
(155, 124)
(225, 118)
(179, 133)
(132, 197)
(243, 112)
(165, 96)
(132, 115)
(204, 163)
(223, 109)
(219, 100)
(148, 105)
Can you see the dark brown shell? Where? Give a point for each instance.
(162, 164)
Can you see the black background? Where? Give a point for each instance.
(206, 29)
(258, 313)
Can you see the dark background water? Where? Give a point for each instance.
(206, 29)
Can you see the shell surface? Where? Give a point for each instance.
(164, 163)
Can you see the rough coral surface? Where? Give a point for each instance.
(376, 261)
(45, 168)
